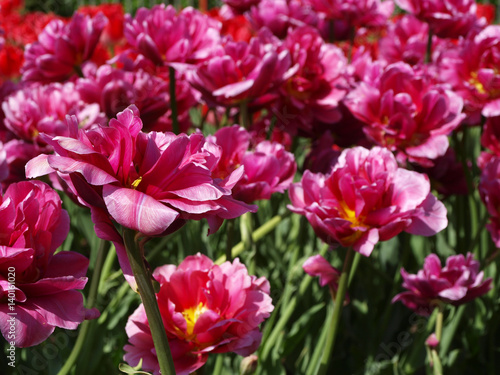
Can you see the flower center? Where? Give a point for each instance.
(350, 215)
(136, 183)
(191, 315)
(474, 81)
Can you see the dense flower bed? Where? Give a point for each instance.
(221, 157)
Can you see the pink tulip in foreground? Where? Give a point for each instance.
(456, 283)
(367, 198)
(206, 308)
(149, 182)
(40, 288)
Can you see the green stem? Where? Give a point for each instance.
(219, 364)
(257, 235)
(337, 312)
(148, 297)
(84, 328)
(436, 361)
(173, 101)
(428, 54)
(244, 115)
(229, 239)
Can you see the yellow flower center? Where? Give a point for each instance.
(474, 81)
(136, 183)
(350, 215)
(191, 315)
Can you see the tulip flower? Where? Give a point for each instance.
(219, 312)
(142, 181)
(39, 287)
(405, 111)
(164, 36)
(447, 19)
(269, 168)
(367, 198)
(62, 48)
(458, 282)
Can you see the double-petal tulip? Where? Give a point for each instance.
(488, 190)
(62, 48)
(456, 283)
(38, 290)
(367, 198)
(164, 36)
(143, 181)
(473, 73)
(269, 168)
(243, 72)
(206, 308)
(407, 112)
(446, 18)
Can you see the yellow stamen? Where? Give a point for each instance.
(191, 315)
(475, 82)
(136, 183)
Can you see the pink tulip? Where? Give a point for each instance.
(446, 18)
(40, 109)
(115, 89)
(405, 111)
(269, 168)
(367, 198)
(319, 83)
(472, 73)
(490, 140)
(406, 41)
(149, 182)
(62, 48)
(206, 308)
(164, 36)
(356, 12)
(456, 283)
(42, 286)
(280, 15)
(240, 6)
(16, 154)
(243, 72)
(488, 190)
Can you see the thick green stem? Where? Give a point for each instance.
(148, 297)
(173, 101)
(219, 364)
(337, 312)
(84, 328)
(244, 115)
(428, 54)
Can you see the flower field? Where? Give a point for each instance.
(265, 187)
